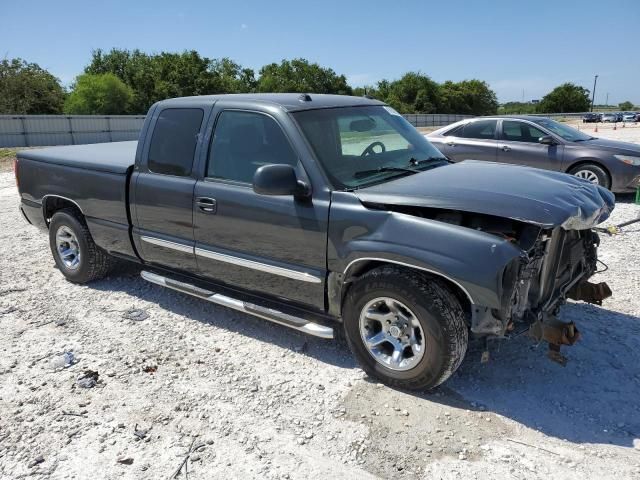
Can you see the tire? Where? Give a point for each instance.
(591, 170)
(68, 228)
(431, 303)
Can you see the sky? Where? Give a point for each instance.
(522, 49)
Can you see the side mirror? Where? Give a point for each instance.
(279, 180)
(547, 140)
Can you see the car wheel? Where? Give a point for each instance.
(77, 256)
(592, 173)
(405, 328)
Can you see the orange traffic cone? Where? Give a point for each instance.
(615, 126)
(596, 129)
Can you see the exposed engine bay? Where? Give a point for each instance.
(555, 264)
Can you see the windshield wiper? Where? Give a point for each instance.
(373, 171)
(415, 162)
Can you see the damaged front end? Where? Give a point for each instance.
(557, 267)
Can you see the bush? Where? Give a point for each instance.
(103, 94)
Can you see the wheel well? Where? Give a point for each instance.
(590, 162)
(52, 204)
(360, 268)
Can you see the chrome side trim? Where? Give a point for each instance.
(410, 266)
(269, 314)
(263, 267)
(180, 247)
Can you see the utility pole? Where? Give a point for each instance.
(593, 97)
(607, 104)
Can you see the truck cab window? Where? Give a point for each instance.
(245, 141)
(174, 140)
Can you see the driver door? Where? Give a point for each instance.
(269, 244)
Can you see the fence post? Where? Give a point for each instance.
(24, 131)
(73, 140)
(109, 128)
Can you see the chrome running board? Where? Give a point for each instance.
(270, 314)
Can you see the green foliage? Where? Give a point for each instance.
(511, 108)
(411, 93)
(27, 89)
(469, 97)
(165, 75)
(99, 94)
(298, 75)
(625, 105)
(566, 98)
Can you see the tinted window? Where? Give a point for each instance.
(243, 142)
(483, 129)
(174, 140)
(455, 132)
(520, 132)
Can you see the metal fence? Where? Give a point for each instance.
(433, 119)
(41, 130)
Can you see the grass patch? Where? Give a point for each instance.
(6, 158)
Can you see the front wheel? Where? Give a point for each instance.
(592, 173)
(77, 256)
(405, 328)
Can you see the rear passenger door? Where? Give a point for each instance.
(162, 193)
(273, 245)
(474, 140)
(519, 145)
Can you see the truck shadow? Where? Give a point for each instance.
(594, 399)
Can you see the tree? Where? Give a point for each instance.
(469, 97)
(412, 93)
(625, 105)
(565, 98)
(298, 75)
(101, 94)
(164, 75)
(27, 89)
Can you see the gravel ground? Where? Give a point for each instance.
(256, 400)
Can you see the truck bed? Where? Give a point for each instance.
(114, 157)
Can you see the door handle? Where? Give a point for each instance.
(206, 204)
(451, 143)
(506, 148)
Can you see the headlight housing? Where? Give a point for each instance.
(629, 160)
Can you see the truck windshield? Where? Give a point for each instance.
(360, 146)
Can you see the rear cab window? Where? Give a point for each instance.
(174, 140)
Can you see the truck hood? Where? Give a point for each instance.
(540, 197)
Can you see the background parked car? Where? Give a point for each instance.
(630, 117)
(590, 118)
(609, 117)
(543, 143)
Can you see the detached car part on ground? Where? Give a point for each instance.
(323, 212)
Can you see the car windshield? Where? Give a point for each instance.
(360, 146)
(568, 133)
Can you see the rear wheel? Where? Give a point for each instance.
(77, 256)
(405, 328)
(592, 173)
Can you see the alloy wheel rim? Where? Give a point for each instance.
(587, 175)
(68, 247)
(392, 333)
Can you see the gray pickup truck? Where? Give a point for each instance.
(326, 213)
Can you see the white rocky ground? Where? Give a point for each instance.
(262, 401)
